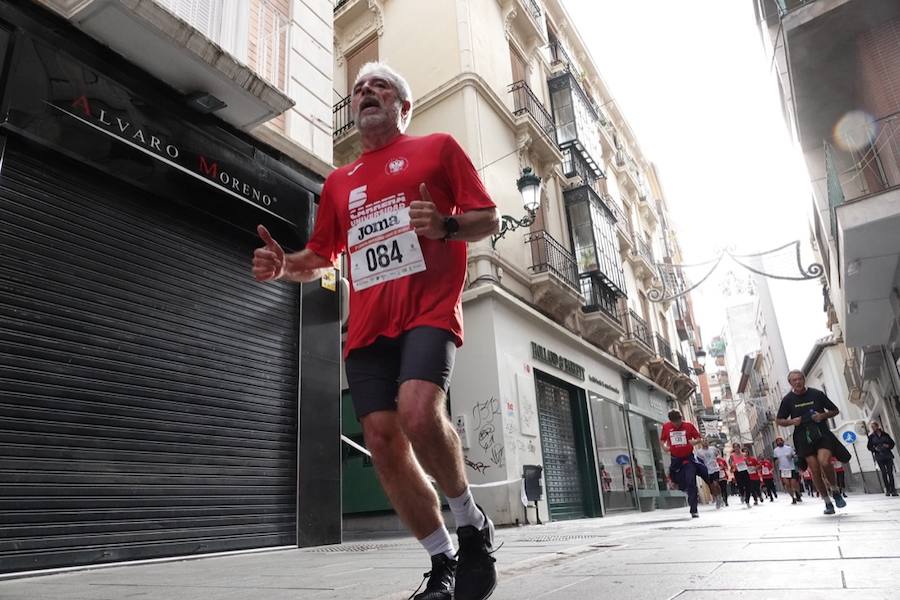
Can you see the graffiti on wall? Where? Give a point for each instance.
(486, 414)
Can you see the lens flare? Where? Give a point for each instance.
(855, 131)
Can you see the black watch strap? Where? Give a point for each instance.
(451, 227)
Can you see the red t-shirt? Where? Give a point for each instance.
(365, 201)
(723, 466)
(679, 439)
(767, 469)
(753, 468)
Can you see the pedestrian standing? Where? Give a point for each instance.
(882, 447)
(710, 457)
(808, 411)
(678, 438)
(741, 475)
(787, 468)
(767, 470)
(403, 211)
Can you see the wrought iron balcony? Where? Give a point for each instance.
(554, 279)
(622, 222)
(664, 348)
(874, 169)
(643, 249)
(526, 102)
(639, 331)
(343, 119)
(534, 8)
(599, 297)
(548, 255)
(683, 365)
(575, 166)
(559, 56)
(339, 4)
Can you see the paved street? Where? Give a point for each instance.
(734, 553)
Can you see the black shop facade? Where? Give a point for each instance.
(152, 394)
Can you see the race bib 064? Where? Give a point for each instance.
(382, 248)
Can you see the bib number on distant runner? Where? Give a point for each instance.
(786, 474)
(742, 467)
(383, 248)
(766, 471)
(678, 438)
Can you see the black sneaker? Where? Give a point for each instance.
(440, 579)
(695, 515)
(476, 575)
(829, 509)
(839, 500)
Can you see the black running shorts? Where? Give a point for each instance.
(376, 371)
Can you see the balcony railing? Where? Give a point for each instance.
(343, 119)
(874, 168)
(534, 8)
(548, 255)
(683, 365)
(574, 165)
(639, 330)
(643, 249)
(526, 102)
(559, 56)
(786, 6)
(664, 348)
(339, 3)
(599, 297)
(622, 221)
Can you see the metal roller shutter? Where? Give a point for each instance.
(565, 493)
(148, 386)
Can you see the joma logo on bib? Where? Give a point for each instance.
(377, 227)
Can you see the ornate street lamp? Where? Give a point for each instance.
(529, 186)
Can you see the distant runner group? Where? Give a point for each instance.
(816, 457)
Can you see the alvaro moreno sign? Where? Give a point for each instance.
(63, 102)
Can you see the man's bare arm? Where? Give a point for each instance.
(270, 263)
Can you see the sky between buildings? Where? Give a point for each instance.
(695, 84)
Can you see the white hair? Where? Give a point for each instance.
(400, 85)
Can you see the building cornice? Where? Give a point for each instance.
(489, 290)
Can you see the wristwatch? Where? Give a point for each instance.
(451, 226)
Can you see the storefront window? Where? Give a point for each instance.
(650, 472)
(614, 458)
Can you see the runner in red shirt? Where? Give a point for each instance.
(725, 478)
(754, 471)
(403, 212)
(767, 470)
(679, 438)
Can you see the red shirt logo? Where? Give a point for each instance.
(396, 165)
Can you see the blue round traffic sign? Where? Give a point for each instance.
(622, 459)
(849, 437)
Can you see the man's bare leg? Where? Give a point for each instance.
(423, 417)
(815, 470)
(401, 476)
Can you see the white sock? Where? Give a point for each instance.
(465, 512)
(438, 542)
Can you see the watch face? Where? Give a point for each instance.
(451, 225)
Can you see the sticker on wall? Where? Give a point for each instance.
(528, 423)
